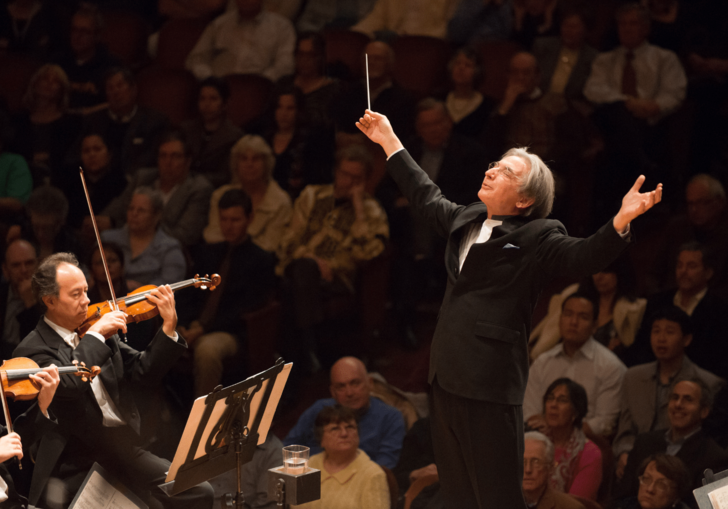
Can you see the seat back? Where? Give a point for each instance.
(249, 97)
(588, 504)
(177, 37)
(421, 64)
(393, 487)
(125, 34)
(169, 91)
(346, 47)
(495, 57)
(417, 486)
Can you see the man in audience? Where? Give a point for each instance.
(334, 228)
(538, 465)
(186, 196)
(19, 310)
(584, 360)
(690, 403)
(705, 221)
(646, 388)
(245, 40)
(213, 325)
(381, 427)
(131, 131)
(408, 17)
(693, 272)
(87, 61)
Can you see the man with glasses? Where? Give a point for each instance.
(501, 253)
(538, 465)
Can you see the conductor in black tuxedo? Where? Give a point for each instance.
(500, 253)
(99, 421)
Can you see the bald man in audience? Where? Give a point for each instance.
(381, 427)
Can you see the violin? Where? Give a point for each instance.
(136, 305)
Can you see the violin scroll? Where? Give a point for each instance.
(207, 282)
(85, 373)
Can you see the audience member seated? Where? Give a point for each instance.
(408, 17)
(533, 18)
(251, 166)
(27, 26)
(693, 272)
(16, 182)
(104, 181)
(320, 14)
(247, 40)
(581, 358)
(620, 312)
(212, 134)
(578, 469)
(212, 325)
(303, 155)
(349, 479)
(646, 388)
(690, 403)
(468, 108)
(86, 61)
(19, 310)
(706, 221)
(538, 467)
(664, 483)
(132, 131)
(417, 460)
(381, 426)
(151, 256)
(186, 196)
(45, 130)
(565, 61)
(319, 90)
(478, 21)
(635, 86)
(31, 426)
(334, 228)
(387, 97)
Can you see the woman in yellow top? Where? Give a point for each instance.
(349, 479)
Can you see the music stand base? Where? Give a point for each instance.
(294, 489)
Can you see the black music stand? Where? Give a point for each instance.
(224, 428)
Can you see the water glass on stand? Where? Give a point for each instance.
(295, 459)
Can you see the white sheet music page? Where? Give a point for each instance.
(719, 498)
(99, 494)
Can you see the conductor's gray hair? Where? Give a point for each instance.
(538, 183)
(548, 444)
(715, 188)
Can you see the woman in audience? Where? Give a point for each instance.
(46, 129)
(619, 315)
(100, 292)
(251, 165)
(212, 134)
(151, 256)
(349, 479)
(664, 484)
(467, 107)
(578, 469)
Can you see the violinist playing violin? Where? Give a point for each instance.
(33, 424)
(99, 422)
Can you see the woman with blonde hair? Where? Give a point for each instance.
(251, 166)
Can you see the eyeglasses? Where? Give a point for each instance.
(661, 485)
(504, 170)
(338, 430)
(560, 399)
(533, 464)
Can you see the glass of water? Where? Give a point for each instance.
(295, 459)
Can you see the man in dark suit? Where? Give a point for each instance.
(500, 254)
(100, 421)
(690, 404)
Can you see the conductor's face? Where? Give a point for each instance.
(499, 190)
(68, 309)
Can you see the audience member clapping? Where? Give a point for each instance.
(578, 469)
(580, 357)
(247, 39)
(211, 135)
(152, 257)
(538, 467)
(646, 388)
(690, 403)
(380, 427)
(349, 479)
(468, 108)
(664, 483)
(251, 167)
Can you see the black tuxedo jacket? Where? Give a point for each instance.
(479, 349)
(26, 318)
(74, 404)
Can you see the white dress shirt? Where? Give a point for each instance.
(477, 234)
(660, 77)
(594, 367)
(692, 301)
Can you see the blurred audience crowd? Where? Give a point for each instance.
(218, 137)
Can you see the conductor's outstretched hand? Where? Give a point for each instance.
(378, 129)
(634, 204)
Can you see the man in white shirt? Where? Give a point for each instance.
(409, 17)
(99, 422)
(246, 40)
(581, 358)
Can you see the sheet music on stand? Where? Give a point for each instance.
(714, 492)
(100, 490)
(224, 427)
